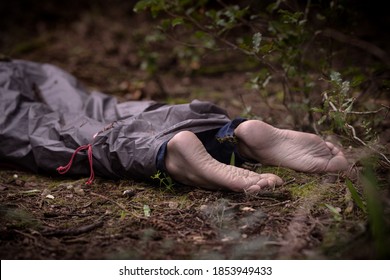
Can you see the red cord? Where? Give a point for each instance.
(64, 169)
(90, 160)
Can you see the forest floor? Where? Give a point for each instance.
(309, 217)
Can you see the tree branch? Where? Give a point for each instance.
(366, 46)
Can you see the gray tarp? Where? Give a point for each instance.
(45, 115)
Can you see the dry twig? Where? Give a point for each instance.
(73, 231)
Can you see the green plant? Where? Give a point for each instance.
(338, 112)
(233, 159)
(338, 103)
(276, 46)
(355, 196)
(164, 180)
(335, 212)
(275, 41)
(378, 226)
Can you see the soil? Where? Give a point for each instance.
(57, 217)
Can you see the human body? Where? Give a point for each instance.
(46, 115)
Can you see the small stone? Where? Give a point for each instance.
(78, 190)
(173, 204)
(204, 208)
(226, 239)
(247, 209)
(129, 193)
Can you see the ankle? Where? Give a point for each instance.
(175, 153)
(254, 135)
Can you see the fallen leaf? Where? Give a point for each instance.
(50, 196)
(247, 209)
(146, 210)
(173, 204)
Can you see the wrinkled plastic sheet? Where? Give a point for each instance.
(46, 115)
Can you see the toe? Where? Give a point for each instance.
(330, 145)
(333, 149)
(338, 163)
(253, 189)
(267, 180)
(272, 179)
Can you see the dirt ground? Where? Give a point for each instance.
(57, 217)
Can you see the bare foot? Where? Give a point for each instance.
(188, 162)
(280, 147)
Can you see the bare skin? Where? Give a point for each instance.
(188, 162)
(287, 148)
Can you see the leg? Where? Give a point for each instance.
(280, 147)
(188, 162)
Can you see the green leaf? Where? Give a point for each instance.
(256, 40)
(166, 24)
(322, 119)
(335, 77)
(155, 6)
(336, 213)
(142, 5)
(317, 110)
(200, 34)
(233, 159)
(355, 196)
(345, 87)
(375, 210)
(146, 210)
(177, 21)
